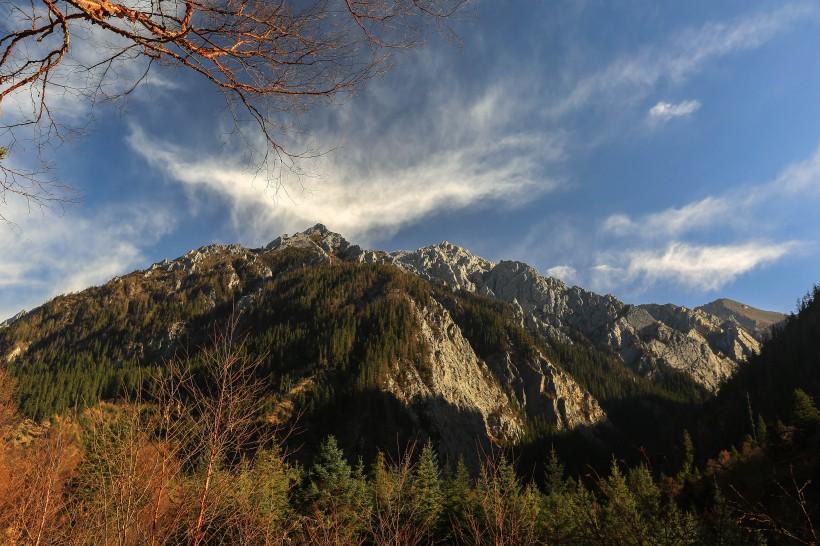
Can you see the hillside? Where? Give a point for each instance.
(375, 346)
(790, 359)
(367, 351)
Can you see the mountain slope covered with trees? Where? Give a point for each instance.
(337, 398)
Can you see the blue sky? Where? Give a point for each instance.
(658, 151)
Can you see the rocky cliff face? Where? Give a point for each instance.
(454, 390)
(501, 392)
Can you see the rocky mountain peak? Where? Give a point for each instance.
(706, 344)
(11, 320)
(317, 237)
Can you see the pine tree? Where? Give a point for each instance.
(381, 479)
(458, 490)
(337, 495)
(804, 412)
(621, 522)
(333, 482)
(688, 463)
(427, 494)
(554, 474)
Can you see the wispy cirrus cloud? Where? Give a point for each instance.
(566, 273)
(702, 267)
(738, 207)
(673, 221)
(655, 251)
(47, 252)
(701, 246)
(631, 77)
(454, 152)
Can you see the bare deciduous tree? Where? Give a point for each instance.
(264, 56)
(217, 419)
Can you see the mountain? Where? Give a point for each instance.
(755, 321)
(657, 341)
(364, 350)
(378, 347)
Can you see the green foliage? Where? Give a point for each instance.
(457, 490)
(554, 474)
(346, 323)
(788, 360)
(337, 494)
(332, 481)
(267, 483)
(762, 431)
(688, 462)
(804, 412)
(427, 494)
(502, 510)
(635, 512)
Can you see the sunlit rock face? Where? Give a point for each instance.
(652, 339)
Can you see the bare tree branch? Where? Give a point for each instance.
(266, 57)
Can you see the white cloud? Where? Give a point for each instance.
(703, 267)
(450, 154)
(800, 177)
(631, 77)
(618, 224)
(702, 245)
(565, 273)
(604, 277)
(737, 207)
(48, 252)
(672, 221)
(664, 111)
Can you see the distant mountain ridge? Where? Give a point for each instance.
(756, 321)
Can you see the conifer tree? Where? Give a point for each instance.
(336, 496)
(554, 474)
(688, 462)
(427, 493)
(804, 411)
(457, 490)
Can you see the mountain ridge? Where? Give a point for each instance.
(693, 342)
(654, 340)
(389, 351)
